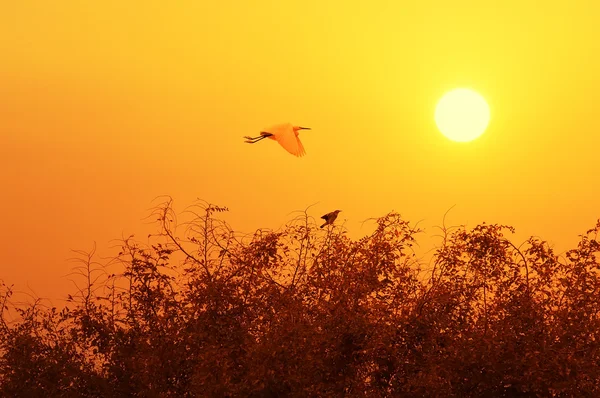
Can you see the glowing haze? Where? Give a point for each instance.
(105, 105)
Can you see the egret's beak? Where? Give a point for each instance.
(303, 128)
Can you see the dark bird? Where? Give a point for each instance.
(330, 217)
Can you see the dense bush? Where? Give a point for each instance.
(309, 312)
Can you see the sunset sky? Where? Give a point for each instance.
(106, 105)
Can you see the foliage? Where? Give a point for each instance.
(202, 311)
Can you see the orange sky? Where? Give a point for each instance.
(105, 105)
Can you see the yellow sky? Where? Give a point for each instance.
(105, 105)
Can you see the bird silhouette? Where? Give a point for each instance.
(287, 136)
(330, 217)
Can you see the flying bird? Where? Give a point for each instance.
(330, 217)
(287, 136)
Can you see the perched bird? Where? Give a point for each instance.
(330, 217)
(287, 136)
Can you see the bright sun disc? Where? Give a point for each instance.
(462, 115)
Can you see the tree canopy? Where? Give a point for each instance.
(200, 310)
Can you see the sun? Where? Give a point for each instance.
(462, 115)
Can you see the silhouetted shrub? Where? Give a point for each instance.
(309, 312)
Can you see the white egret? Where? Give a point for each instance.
(287, 136)
(330, 217)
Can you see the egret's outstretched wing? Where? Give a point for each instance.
(288, 140)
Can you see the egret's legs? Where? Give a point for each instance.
(252, 140)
